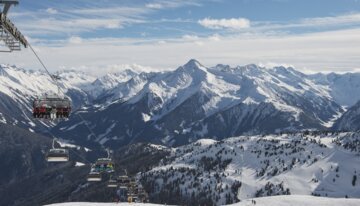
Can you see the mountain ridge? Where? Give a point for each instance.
(184, 103)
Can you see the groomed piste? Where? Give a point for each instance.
(287, 200)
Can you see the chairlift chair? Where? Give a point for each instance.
(51, 106)
(57, 155)
(124, 180)
(104, 165)
(94, 177)
(112, 183)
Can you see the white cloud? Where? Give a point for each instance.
(323, 51)
(233, 23)
(161, 42)
(163, 4)
(75, 40)
(330, 22)
(190, 37)
(154, 6)
(215, 37)
(334, 20)
(51, 11)
(56, 27)
(193, 38)
(75, 21)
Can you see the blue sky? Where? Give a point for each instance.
(312, 35)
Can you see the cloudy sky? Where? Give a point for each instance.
(312, 35)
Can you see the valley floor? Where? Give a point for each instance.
(286, 200)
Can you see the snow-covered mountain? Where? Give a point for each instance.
(350, 120)
(107, 82)
(180, 106)
(194, 101)
(239, 168)
(18, 88)
(344, 88)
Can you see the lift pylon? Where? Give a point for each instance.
(9, 34)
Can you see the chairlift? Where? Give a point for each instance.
(94, 177)
(112, 183)
(104, 165)
(57, 154)
(51, 106)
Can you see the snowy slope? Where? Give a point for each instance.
(344, 88)
(224, 88)
(109, 81)
(350, 120)
(194, 101)
(293, 200)
(100, 204)
(180, 106)
(319, 164)
(18, 88)
(299, 200)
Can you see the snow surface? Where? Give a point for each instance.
(99, 204)
(299, 200)
(287, 200)
(320, 164)
(79, 164)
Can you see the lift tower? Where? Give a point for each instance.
(9, 34)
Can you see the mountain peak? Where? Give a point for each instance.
(193, 63)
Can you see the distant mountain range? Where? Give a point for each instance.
(237, 109)
(180, 106)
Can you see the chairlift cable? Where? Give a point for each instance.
(53, 145)
(57, 84)
(90, 163)
(45, 68)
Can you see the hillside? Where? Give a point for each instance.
(349, 121)
(239, 168)
(293, 200)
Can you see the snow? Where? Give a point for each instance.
(158, 147)
(332, 121)
(100, 204)
(2, 118)
(288, 200)
(66, 144)
(79, 164)
(310, 164)
(74, 126)
(206, 142)
(299, 200)
(102, 139)
(218, 88)
(344, 88)
(146, 117)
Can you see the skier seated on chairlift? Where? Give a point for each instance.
(104, 167)
(52, 106)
